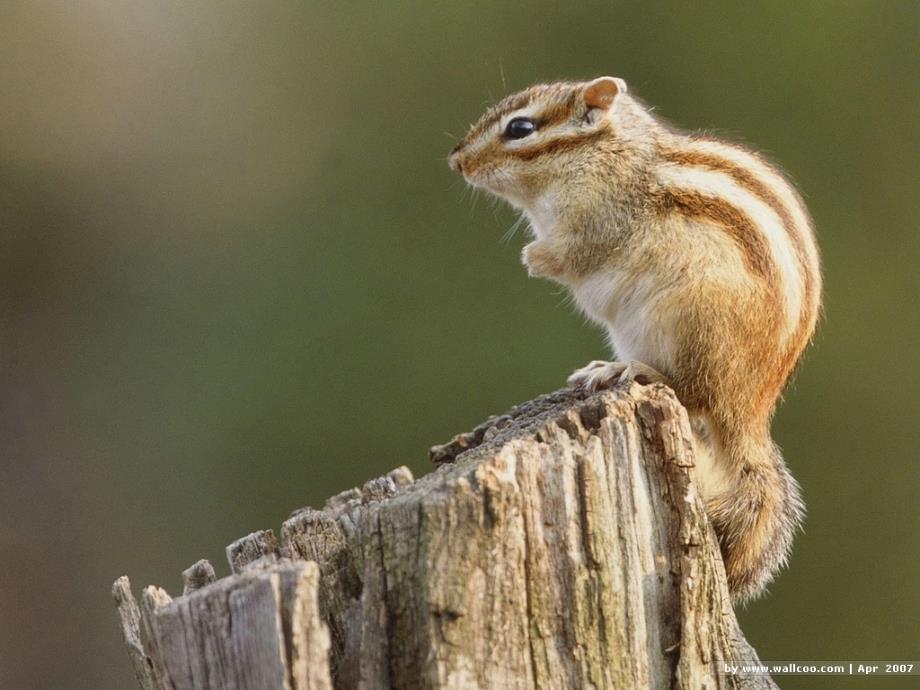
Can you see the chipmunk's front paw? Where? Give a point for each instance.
(542, 259)
(600, 374)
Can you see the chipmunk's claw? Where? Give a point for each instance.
(642, 374)
(600, 374)
(596, 375)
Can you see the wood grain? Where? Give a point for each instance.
(560, 545)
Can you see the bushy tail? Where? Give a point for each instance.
(755, 516)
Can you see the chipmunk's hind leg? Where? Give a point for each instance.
(600, 374)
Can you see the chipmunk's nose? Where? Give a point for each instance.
(454, 158)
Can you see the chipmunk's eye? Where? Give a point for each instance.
(520, 127)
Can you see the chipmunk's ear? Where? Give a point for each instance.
(601, 92)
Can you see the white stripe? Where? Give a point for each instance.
(719, 185)
(485, 139)
(776, 184)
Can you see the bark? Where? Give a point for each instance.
(561, 545)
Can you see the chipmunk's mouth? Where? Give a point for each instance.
(484, 179)
(477, 175)
(483, 174)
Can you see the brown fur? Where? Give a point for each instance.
(692, 287)
(556, 146)
(732, 220)
(799, 236)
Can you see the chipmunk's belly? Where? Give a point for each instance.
(635, 313)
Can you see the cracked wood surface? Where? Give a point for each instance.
(560, 545)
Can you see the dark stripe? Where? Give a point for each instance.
(746, 179)
(749, 181)
(561, 105)
(510, 104)
(552, 146)
(735, 222)
(560, 111)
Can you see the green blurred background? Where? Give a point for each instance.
(236, 276)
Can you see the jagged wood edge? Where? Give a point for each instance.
(709, 630)
(527, 421)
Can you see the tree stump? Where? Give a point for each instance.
(560, 545)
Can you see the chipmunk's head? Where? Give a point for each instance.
(531, 139)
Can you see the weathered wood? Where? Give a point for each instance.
(561, 545)
(198, 575)
(257, 629)
(259, 547)
(131, 625)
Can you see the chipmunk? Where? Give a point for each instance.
(699, 260)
